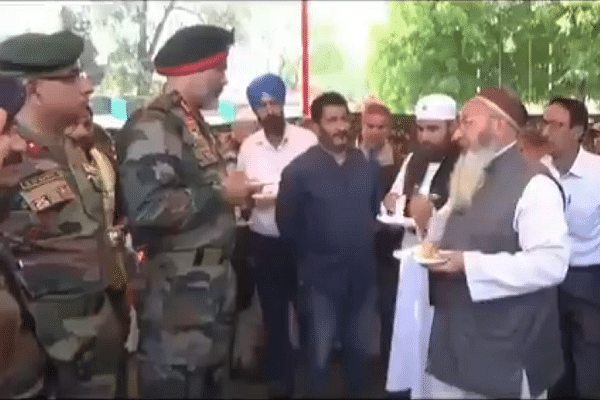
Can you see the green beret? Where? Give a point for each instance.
(193, 49)
(37, 53)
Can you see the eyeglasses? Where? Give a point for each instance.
(72, 75)
(552, 124)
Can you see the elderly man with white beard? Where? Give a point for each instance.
(495, 329)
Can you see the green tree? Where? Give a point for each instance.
(537, 48)
(433, 47)
(329, 63)
(136, 34)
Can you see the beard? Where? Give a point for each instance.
(337, 143)
(434, 152)
(468, 176)
(273, 124)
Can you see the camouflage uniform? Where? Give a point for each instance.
(171, 174)
(59, 209)
(58, 230)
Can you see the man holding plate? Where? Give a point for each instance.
(425, 174)
(263, 156)
(495, 329)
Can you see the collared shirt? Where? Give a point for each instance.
(328, 212)
(543, 237)
(384, 155)
(582, 190)
(264, 163)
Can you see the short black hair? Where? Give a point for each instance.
(578, 113)
(326, 99)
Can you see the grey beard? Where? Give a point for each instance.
(468, 177)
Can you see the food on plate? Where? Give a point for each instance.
(428, 251)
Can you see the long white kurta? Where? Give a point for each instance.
(412, 327)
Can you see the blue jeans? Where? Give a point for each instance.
(350, 317)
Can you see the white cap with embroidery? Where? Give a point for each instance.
(435, 107)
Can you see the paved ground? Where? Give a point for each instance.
(252, 388)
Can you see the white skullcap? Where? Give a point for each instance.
(435, 107)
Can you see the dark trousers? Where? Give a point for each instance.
(275, 271)
(387, 240)
(240, 261)
(350, 316)
(579, 305)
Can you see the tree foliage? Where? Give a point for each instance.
(134, 34)
(454, 47)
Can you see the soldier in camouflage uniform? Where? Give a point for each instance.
(22, 358)
(179, 201)
(62, 220)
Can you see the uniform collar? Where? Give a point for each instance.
(51, 143)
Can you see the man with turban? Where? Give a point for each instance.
(495, 329)
(179, 201)
(263, 156)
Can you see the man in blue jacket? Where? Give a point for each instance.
(326, 207)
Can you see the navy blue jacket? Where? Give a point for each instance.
(328, 212)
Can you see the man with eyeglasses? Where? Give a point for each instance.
(564, 123)
(63, 219)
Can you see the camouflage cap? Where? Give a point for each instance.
(37, 53)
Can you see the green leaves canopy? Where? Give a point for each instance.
(538, 48)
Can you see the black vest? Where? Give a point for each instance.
(483, 346)
(440, 185)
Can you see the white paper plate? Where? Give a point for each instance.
(426, 261)
(264, 196)
(398, 220)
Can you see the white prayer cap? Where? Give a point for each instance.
(435, 107)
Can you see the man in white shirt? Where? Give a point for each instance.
(495, 330)
(564, 123)
(426, 170)
(263, 156)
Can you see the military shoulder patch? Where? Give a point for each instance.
(46, 189)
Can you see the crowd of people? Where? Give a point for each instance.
(480, 252)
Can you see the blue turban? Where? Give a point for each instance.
(12, 95)
(270, 84)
